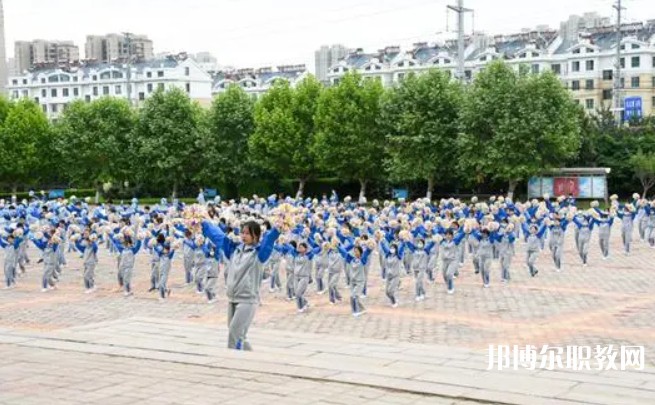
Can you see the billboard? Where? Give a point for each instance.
(591, 187)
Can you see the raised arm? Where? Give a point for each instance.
(265, 249)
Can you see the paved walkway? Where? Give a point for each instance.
(169, 362)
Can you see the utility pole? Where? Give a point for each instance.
(128, 41)
(460, 10)
(617, 67)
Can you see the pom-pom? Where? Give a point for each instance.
(614, 197)
(38, 235)
(594, 204)
(75, 237)
(474, 200)
(636, 196)
(546, 196)
(18, 232)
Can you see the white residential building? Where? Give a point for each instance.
(585, 63)
(325, 57)
(54, 89)
(257, 81)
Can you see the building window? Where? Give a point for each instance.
(45, 108)
(24, 81)
(142, 96)
(635, 61)
(188, 87)
(589, 84)
(575, 66)
(53, 92)
(14, 82)
(76, 92)
(535, 68)
(576, 51)
(87, 98)
(556, 68)
(401, 77)
(149, 87)
(187, 71)
(160, 73)
(75, 78)
(484, 58)
(653, 103)
(622, 62)
(622, 81)
(36, 100)
(95, 91)
(119, 90)
(14, 94)
(608, 74)
(635, 46)
(160, 86)
(634, 82)
(589, 65)
(42, 80)
(65, 91)
(589, 103)
(25, 93)
(95, 78)
(654, 82)
(654, 61)
(54, 108)
(44, 93)
(105, 90)
(607, 94)
(468, 74)
(149, 75)
(575, 85)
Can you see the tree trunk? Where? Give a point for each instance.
(362, 189)
(14, 189)
(511, 188)
(428, 195)
(301, 188)
(174, 196)
(97, 197)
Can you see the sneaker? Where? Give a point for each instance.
(485, 286)
(301, 310)
(128, 294)
(321, 292)
(45, 290)
(451, 291)
(152, 289)
(200, 292)
(357, 314)
(162, 299)
(394, 305)
(271, 290)
(211, 301)
(417, 299)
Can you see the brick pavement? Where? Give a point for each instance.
(609, 302)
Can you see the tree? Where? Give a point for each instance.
(94, 140)
(167, 135)
(644, 167)
(516, 125)
(25, 129)
(225, 147)
(285, 132)
(349, 141)
(421, 117)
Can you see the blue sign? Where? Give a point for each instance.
(400, 193)
(210, 192)
(54, 194)
(632, 108)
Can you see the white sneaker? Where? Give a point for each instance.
(357, 314)
(128, 294)
(417, 299)
(199, 292)
(451, 291)
(394, 305)
(162, 299)
(45, 290)
(271, 290)
(485, 286)
(211, 302)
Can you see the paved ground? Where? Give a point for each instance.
(609, 302)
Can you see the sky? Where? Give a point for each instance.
(257, 33)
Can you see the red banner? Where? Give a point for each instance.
(566, 186)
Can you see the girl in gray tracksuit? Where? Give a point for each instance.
(627, 222)
(505, 243)
(450, 246)
(89, 250)
(288, 268)
(357, 261)
(273, 265)
(303, 259)
(188, 255)
(473, 244)
(334, 269)
(127, 252)
(584, 227)
(650, 229)
(212, 260)
(420, 257)
(533, 245)
(321, 261)
(246, 261)
(484, 254)
(11, 247)
(393, 260)
(50, 261)
(556, 241)
(166, 254)
(604, 224)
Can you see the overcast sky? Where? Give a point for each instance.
(255, 33)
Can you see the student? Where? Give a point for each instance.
(246, 260)
(127, 251)
(533, 245)
(357, 261)
(11, 247)
(420, 257)
(393, 259)
(89, 249)
(48, 246)
(450, 248)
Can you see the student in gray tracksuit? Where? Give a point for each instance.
(11, 247)
(273, 265)
(334, 269)
(357, 261)
(450, 246)
(484, 253)
(89, 250)
(212, 260)
(604, 224)
(533, 245)
(393, 260)
(288, 269)
(584, 235)
(303, 259)
(650, 229)
(127, 252)
(50, 261)
(321, 261)
(627, 223)
(420, 257)
(154, 263)
(505, 243)
(188, 255)
(246, 260)
(556, 241)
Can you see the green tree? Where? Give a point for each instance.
(225, 147)
(94, 140)
(167, 136)
(285, 133)
(516, 125)
(421, 117)
(25, 129)
(349, 142)
(644, 168)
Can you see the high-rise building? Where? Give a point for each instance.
(3, 53)
(30, 54)
(117, 47)
(327, 56)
